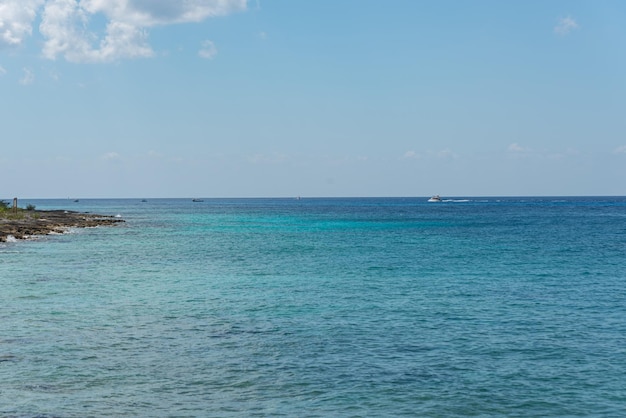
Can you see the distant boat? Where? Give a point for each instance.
(197, 200)
(143, 200)
(435, 198)
(76, 201)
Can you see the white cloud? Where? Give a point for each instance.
(111, 156)
(411, 155)
(146, 13)
(565, 25)
(515, 147)
(2, 71)
(28, 77)
(65, 24)
(16, 20)
(208, 50)
(447, 153)
(154, 154)
(620, 150)
(444, 154)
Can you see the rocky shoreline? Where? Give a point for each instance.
(44, 222)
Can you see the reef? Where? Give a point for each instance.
(24, 224)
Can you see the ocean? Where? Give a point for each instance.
(355, 307)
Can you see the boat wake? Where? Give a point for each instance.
(437, 198)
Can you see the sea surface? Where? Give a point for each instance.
(349, 307)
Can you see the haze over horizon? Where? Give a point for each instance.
(236, 98)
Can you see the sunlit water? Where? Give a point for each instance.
(319, 307)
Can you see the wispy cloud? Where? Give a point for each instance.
(28, 77)
(208, 50)
(565, 25)
(620, 150)
(447, 154)
(444, 154)
(65, 24)
(154, 154)
(272, 158)
(54, 75)
(410, 155)
(2, 71)
(516, 148)
(111, 156)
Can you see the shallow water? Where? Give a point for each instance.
(320, 307)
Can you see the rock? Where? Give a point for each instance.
(38, 222)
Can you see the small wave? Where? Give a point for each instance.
(73, 230)
(11, 238)
(456, 200)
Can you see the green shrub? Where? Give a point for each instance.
(30, 207)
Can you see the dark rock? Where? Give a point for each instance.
(39, 222)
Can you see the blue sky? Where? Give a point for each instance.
(283, 98)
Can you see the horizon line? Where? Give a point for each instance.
(315, 197)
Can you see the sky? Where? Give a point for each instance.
(312, 98)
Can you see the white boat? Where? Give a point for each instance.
(435, 198)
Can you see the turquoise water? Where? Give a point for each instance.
(319, 307)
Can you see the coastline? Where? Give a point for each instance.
(29, 223)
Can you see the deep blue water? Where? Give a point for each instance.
(319, 307)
